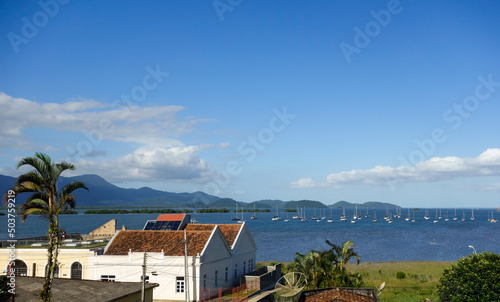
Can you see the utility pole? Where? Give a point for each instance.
(143, 289)
(186, 282)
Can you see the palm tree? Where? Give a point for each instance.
(48, 201)
(344, 253)
(310, 265)
(327, 268)
(341, 255)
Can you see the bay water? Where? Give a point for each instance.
(280, 240)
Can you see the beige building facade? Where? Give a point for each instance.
(73, 263)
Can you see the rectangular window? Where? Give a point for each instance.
(244, 267)
(108, 278)
(226, 275)
(204, 281)
(250, 265)
(216, 283)
(179, 288)
(235, 271)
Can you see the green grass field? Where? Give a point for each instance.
(419, 282)
(417, 279)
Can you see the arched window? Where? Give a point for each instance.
(19, 266)
(76, 270)
(56, 271)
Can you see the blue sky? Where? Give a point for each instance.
(394, 101)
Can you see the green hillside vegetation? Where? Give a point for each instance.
(252, 210)
(369, 204)
(223, 210)
(225, 203)
(304, 204)
(145, 211)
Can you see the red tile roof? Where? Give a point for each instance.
(170, 217)
(339, 295)
(171, 242)
(230, 231)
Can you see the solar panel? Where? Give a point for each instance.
(152, 225)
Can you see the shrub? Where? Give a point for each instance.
(474, 278)
(400, 275)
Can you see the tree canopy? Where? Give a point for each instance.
(328, 268)
(473, 278)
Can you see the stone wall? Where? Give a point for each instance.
(105, 231)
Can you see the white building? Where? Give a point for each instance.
(217, 256)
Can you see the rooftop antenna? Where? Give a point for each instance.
(291, 284)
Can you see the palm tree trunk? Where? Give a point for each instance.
(52, 251)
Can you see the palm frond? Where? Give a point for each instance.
(69, 188)
(35, 207)
(38, 197)
(39, 162)
(67, 201)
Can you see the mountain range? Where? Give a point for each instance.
(104, 194)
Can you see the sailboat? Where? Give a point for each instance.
(472, 217)
(236, 218)
(374, 216)
(314, 217)
(389, 219)
(408, 217)
(287, 219)
(241, 220)
(366, 216)
(455, 218)
(331, 216)
(426, 217)
(463, 218)
(254, 217)
(413, 220)
(297, 216)
(355, 216)
(275, 218)
(493, 220)
(436, 220)
(343, 218)
(303, 218)
(447, 219)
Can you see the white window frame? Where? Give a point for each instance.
(180, 285)
(108, 278)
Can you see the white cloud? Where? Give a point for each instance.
(158, 156)
(495, 187)
(125, 124)
(434, 169)
(151, 163)
(307, 183)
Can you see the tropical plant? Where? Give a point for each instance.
(341, 255)
(48, 201)
(328, 268)
(473, 278)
